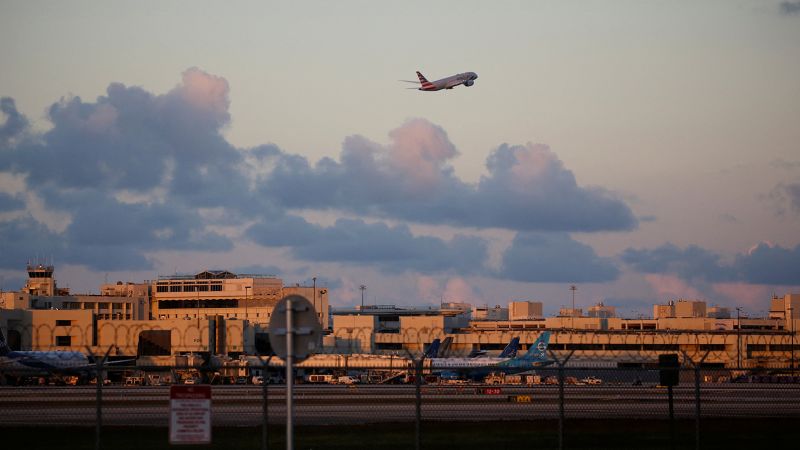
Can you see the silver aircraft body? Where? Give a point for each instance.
(32, 363)
(466, 78)
(535, 357)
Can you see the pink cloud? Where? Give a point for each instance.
(420, 150)
(428, 289)
(752, 296)
(670, 286)
(206, 92)
(459, 290)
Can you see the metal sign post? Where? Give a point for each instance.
(289, 376)
(294, 336)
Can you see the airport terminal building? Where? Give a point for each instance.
(227, 314)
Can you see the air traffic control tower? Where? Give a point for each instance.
(40, 280)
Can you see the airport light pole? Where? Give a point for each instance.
(738, 338)
(363, 288)
(791, 317)
(198, 312)
(573, 288)
(246, 297)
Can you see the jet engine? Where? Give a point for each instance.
(469, 83)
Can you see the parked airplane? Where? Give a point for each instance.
(466, 78)
(32, 363)
(511, 349)
(509, 352)
(479, 367)
(433, 349)
(444, 349)
(17, 364)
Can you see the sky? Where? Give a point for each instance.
(643, 151)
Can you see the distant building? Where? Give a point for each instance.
(690, 308)
(681, 309)
(602, 311)
(484, 312)
(719, 312)
(569, 312)
(223, 313)
(229, 295)
(525, 310)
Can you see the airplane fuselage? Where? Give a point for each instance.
(31, 363)
(466, 78)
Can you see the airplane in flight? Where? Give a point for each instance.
(466, 78)
(478, 367)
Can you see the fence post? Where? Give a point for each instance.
(264, 403)
(696, 366)
(418, 419)
(99, 364)
(561, 414)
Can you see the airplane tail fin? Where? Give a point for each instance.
(538, 350)
(4, 349)
(433, 350)
(424, 81)
(445, 347)
(511, 349)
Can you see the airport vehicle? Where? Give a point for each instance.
(477, 368)
(347, 379)
(592, 380)
(319, 378)
(502, 378)
(466, 78)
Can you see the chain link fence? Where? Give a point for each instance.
(564, 404)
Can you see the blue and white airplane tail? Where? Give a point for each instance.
(511, 349)
(433, 350)
(4, 348)
(538, 350)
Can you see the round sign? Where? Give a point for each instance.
(305, 328)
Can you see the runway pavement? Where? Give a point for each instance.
(336, 404)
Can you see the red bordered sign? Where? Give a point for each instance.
(190, 414)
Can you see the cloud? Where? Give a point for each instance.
(781, 163)
(554, 257)
(130, 170)
(527, 188)
(10, 203)
(670, 286)
(357, 242)
(763, 264)
(24, 239)
(132, 140)
(132, 173)
(786, 196)
(460, 290)
(790, 8)
(689, 263)
(749, 295)
(769, 264)
(15, 123)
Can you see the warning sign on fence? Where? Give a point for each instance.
(190, 414)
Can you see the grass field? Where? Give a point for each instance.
(579, 434)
